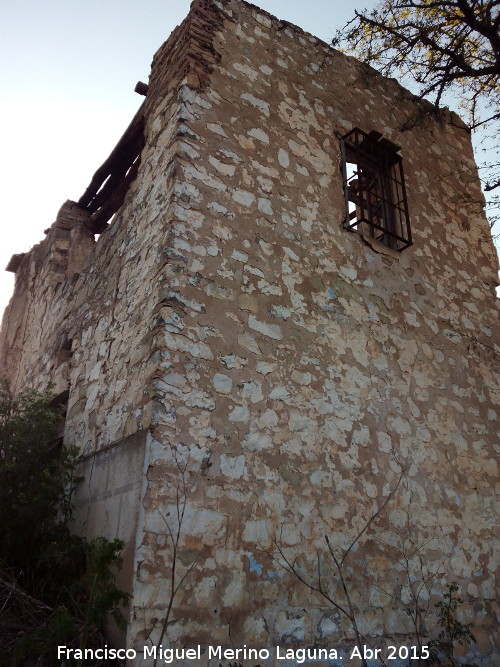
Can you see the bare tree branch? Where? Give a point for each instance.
(175, 538)
(373, 517)
(339, 562)
(443, 48)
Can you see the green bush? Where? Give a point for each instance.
(452, 630)
(37, 480)
(55, 587)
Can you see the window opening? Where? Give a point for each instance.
(374, 189)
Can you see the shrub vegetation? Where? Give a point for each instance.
(55, 588)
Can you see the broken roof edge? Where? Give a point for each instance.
(106, 192)
(102, 173)
(107, 189)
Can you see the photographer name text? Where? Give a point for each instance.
(169, 656)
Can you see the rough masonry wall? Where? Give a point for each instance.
(227, 323)
(33, 342)
(303, 367)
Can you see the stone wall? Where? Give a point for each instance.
(290, 368)
(302, 365)
(34, 343)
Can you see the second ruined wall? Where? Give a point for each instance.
(302, 367)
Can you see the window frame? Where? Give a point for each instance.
(377, 189)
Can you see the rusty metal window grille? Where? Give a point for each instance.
(374, 189)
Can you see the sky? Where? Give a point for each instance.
(67, 95)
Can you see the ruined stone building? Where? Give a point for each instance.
(281, 280)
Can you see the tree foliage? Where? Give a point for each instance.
(442, 47)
